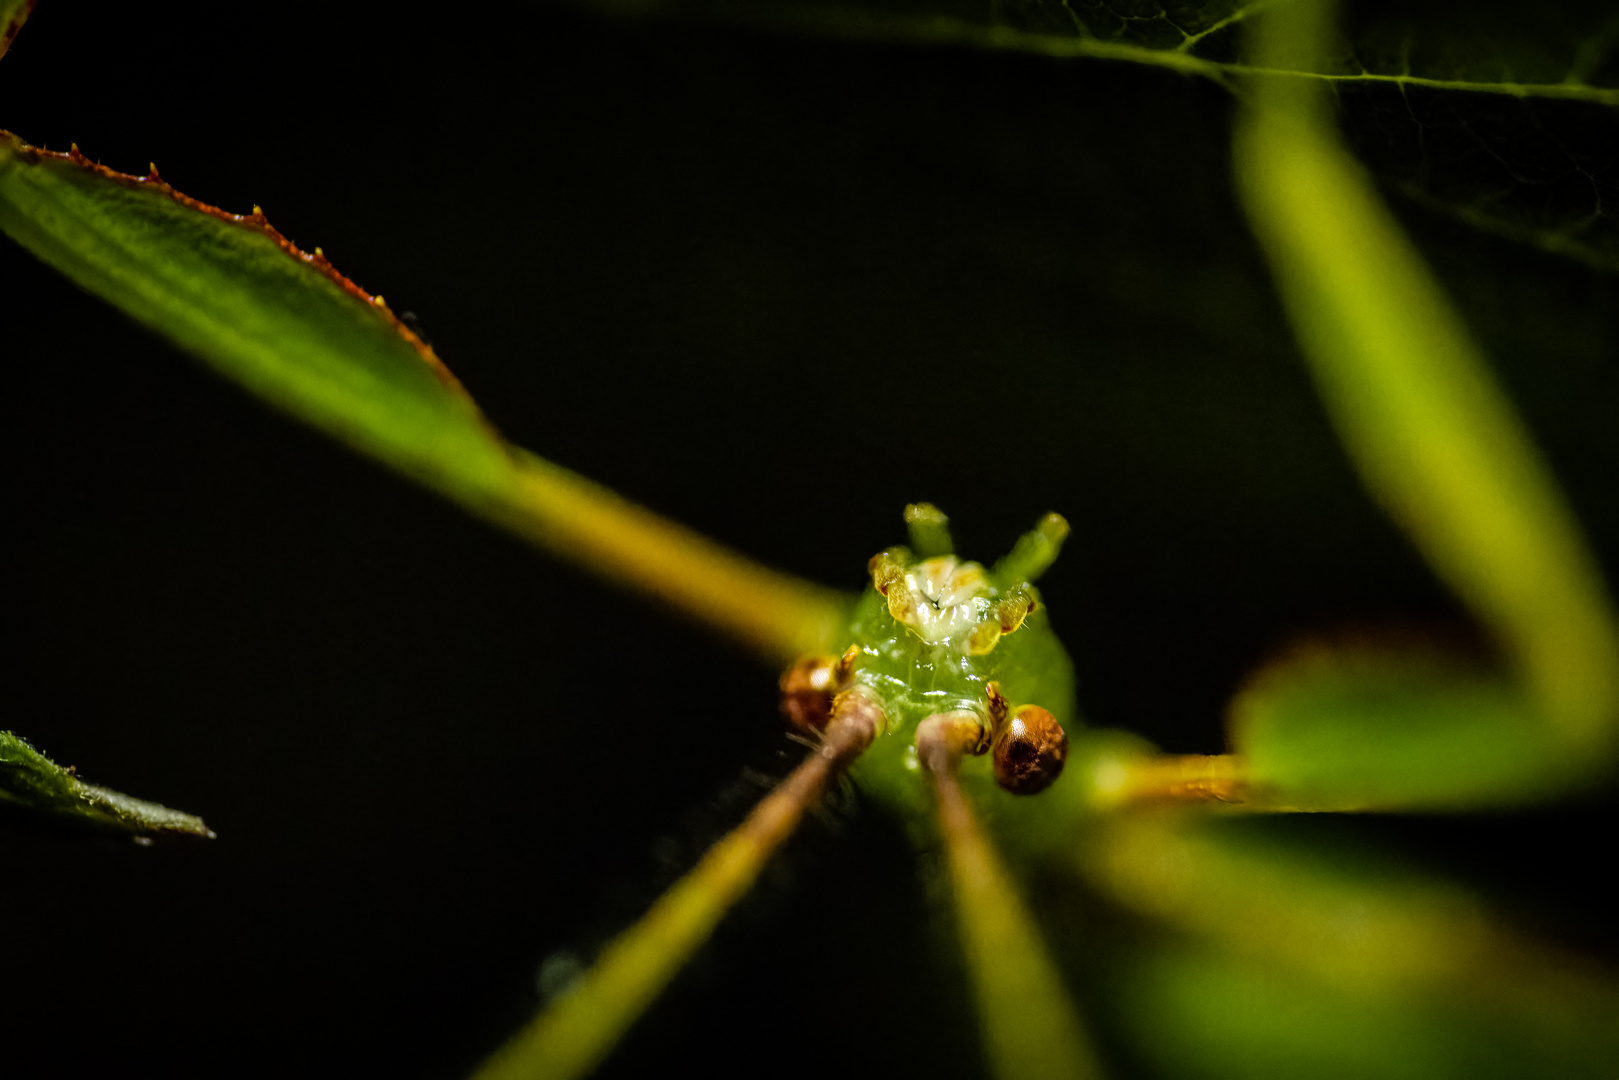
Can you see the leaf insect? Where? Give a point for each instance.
(943, 691)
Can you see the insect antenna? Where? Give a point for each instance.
(1030, 1027)
(929, 529)
(1034, 551)
(573, 1034)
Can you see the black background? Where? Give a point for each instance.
(774, 288)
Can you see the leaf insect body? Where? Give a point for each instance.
(946, 662)
(933, 635)
(945, 666)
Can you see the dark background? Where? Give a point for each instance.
(775, 288)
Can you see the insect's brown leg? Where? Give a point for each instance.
(573, 1035)
(1031, 1029)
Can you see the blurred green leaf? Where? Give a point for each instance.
(1441, 446)
(1305, 954)
(1194, 1013)
(13, 13)
(1318, 903)
(33, 781)
(1383, 728)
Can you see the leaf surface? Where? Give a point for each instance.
(1308, 954)
(1502, 116)
(13, 13)
(1202, 1012)
(1352, 729)
(285, 324)
(31, 780)
(1435, 438)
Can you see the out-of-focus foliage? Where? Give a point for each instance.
(1437, 442)
(1324, 959)
(13, 13)
(1383, 728)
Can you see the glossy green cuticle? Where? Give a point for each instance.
(925, 666)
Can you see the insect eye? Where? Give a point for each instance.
(806, 692)
(1030, 751)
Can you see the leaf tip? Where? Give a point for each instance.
(12, 25)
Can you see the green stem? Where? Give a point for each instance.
(1432, 434)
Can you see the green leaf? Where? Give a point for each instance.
(13, 13)
(1196, 1013)
(231, 289)
(1308, 895)
(1306, 954)
(1333, 728)
(1434, 436)
(31, 780)
(285, 324)
(1502, 116)
(766, 246)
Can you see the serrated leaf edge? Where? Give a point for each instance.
(257, 222)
